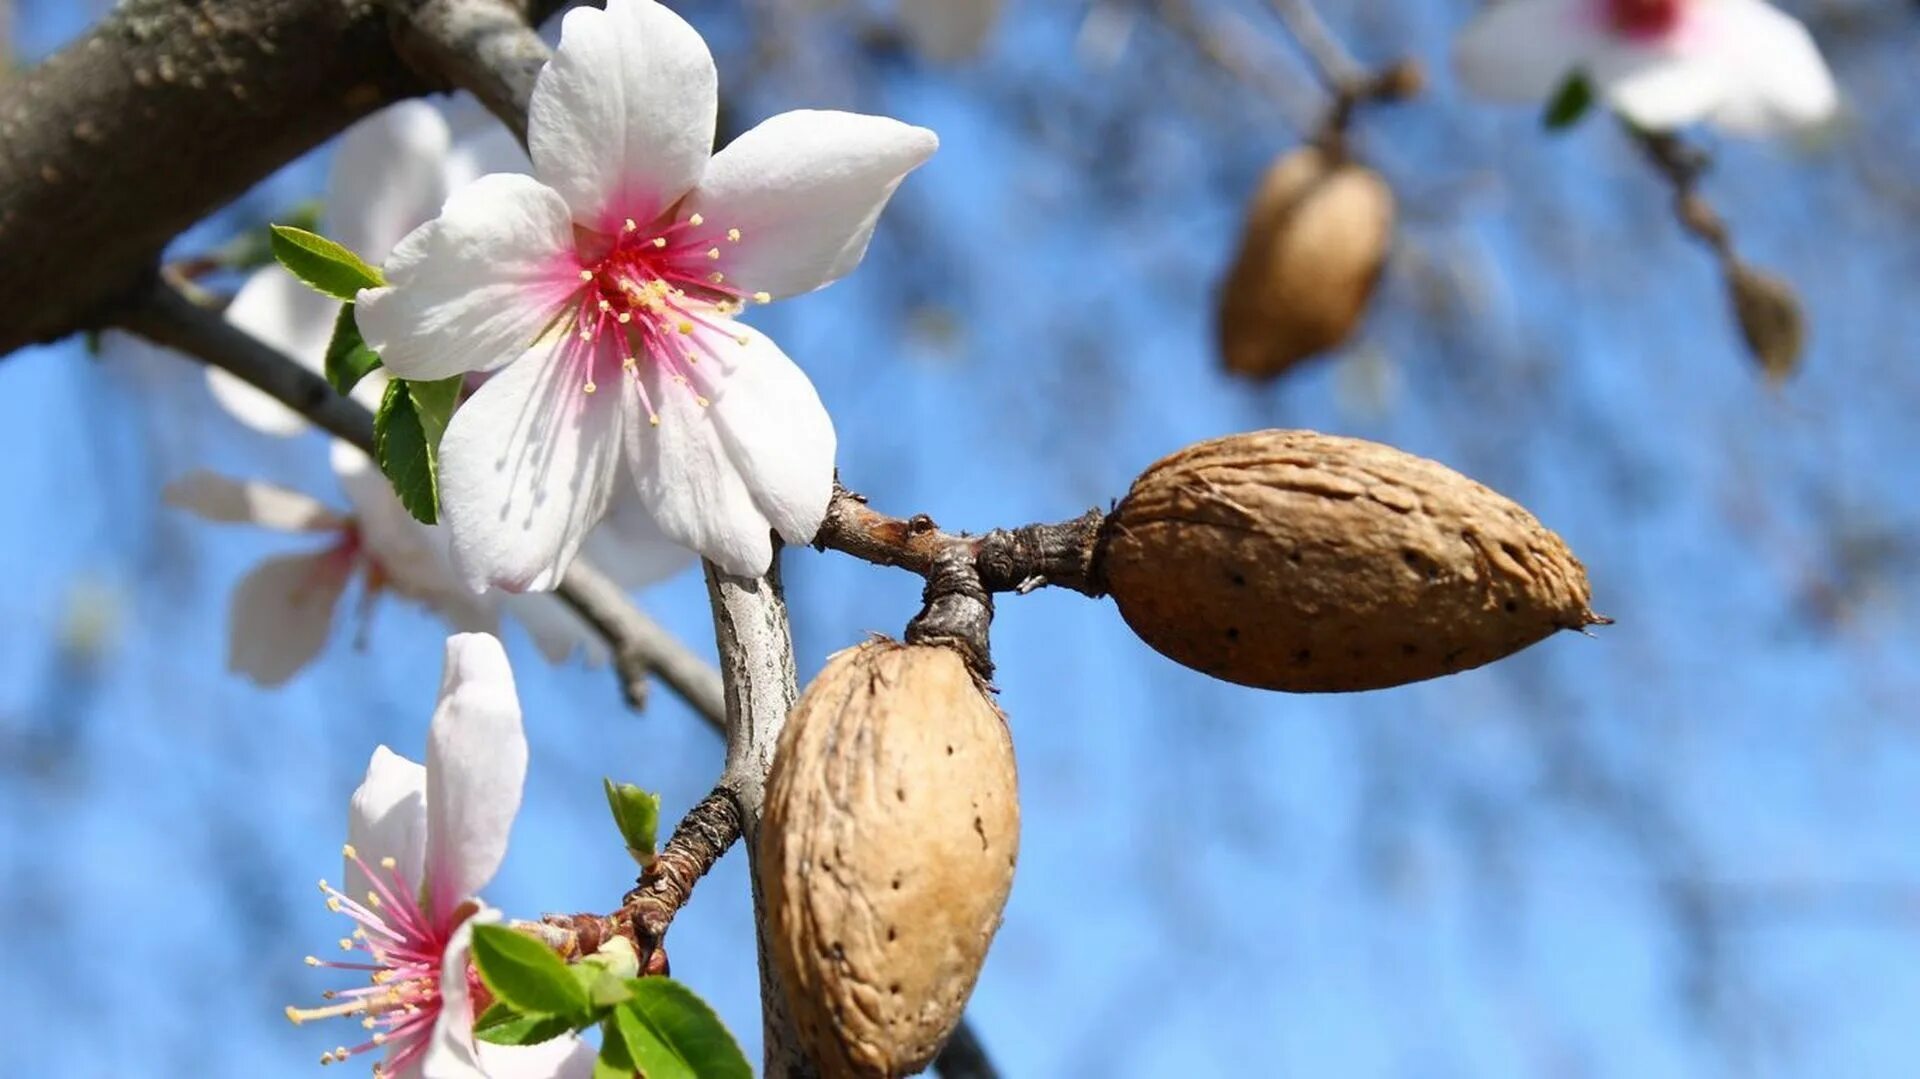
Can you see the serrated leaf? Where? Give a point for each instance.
(1569, 103)
(348, 358)
(637, 814)
(406, 457)
(322, 264)
(670, 1033)
(525, 974)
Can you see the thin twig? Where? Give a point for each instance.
(1335, 65)
(1007, 559)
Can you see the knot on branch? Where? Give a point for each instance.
(1025, 558)
(956, 609)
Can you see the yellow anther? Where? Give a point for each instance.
(589, 387)
(701, 401)
(293, 1015)
(605, 306)
(346, 944)
(348, 851)
(743, 339)
(313, 960)
(716, 277)
(333, 904)
(373, 900)
(389, 862)
(623, 317)
(653, 418)
(763, 297)
(713, 252)
(586, 275)
(630, 363)
(733, 236)
(631, 225)
(659, 241)
(696, 221)
(684, 327)
(586, 335)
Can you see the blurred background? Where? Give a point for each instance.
(1683, 847)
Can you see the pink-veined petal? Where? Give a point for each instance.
(452, 1052)
(804, 189)
(281, 614)
(276, 308)
(213, 497)
(1775, 77)
(622, 118)
(1522, 50)
(759, 458)
(528, 463)
(387, 818)
(474, 287)
(947, 31)
(629, 547)
(388, 178)
(476, 766)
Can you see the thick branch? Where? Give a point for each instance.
(756, 661)
(156, 117)
(485, 47)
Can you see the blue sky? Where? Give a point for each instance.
(1684, 846)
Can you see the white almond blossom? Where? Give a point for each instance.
(602, 292)
(1743, 65)
(421, 844)
(282, 612)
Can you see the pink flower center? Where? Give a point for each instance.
(657, 293)
(1644, 20)
(404, 948)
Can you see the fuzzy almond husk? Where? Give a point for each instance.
(1315, 239)
(886, 853)
(1306, 562)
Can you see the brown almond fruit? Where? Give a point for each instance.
(1315, 239)
(886, 853)
(1312, 563)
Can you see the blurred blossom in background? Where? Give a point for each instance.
(1684, 847)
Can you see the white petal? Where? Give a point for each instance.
(629, 547)
(565, 1057)
(388, 819)
(413, 559)
(452, 1053)
(804, 189)
(760, 458)
(527, 465)
(276, 308)
(1659, 89)
(476, 765)
(214, 497)
(387, 178)
(281, 614)
(1775, 77)
(948, 30)
(1522, 50)
(474, 287)
(622, 117)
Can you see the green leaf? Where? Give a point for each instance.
(614, 1061)
(435, 402)
(324, 265)
(503, 1025)
(348, 358)
(408, 460)
(672, 1034)
(526, 974)
(1569, 103)
(637, 814)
